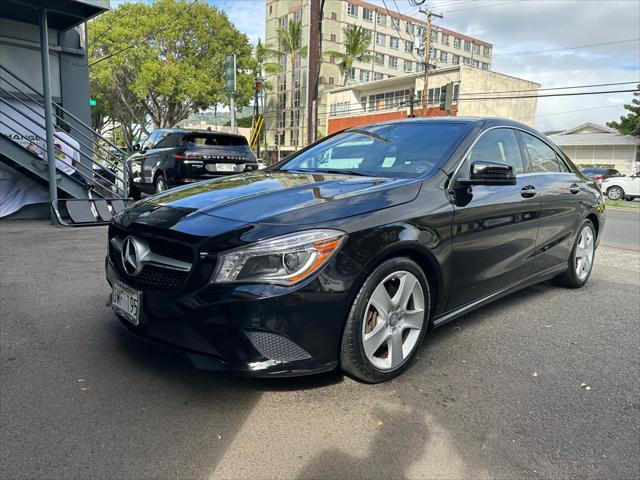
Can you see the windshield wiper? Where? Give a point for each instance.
(344, 171)
(369, 134)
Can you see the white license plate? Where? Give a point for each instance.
(126, 301)
(221, 167)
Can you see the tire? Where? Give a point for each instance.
(571, 278)
(403, 326)
(160, 185)
(134, 192)
(615, 193)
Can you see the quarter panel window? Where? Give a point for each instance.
(542, 157)
(499, 145)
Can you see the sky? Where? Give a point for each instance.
(517, 27)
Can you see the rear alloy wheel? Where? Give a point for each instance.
(615, 193)
(582, 256)
(387, 322)
(161, 184)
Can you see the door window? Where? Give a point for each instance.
(498, 145)
(543, 158)
(151, 140)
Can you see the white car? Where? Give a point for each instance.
(622, 187)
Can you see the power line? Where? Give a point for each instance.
(483, 6)
(110, 26)
(615, 42)
(557, 88)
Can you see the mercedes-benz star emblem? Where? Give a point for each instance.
(131, 257)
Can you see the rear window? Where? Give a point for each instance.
(214, 139)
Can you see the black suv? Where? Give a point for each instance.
(171, 157)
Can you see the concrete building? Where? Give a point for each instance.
(396, 41)
(388, 99)
(593, 145)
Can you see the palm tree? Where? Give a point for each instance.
(356, 43)
(290, 45)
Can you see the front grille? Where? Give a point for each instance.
(170, 249)
(150, 276)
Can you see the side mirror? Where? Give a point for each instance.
(489, 173)
(136, 147)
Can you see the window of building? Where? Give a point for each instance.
(476, 63)
(381, 39)
(283, 21)
(352, 73)
(352, 9)
(332, 59)
(408, 66)
(466, 60)
(433, 53)
(420, 67)
(434, 36)
(334, 16)
(395, 23)
(486, 51)
(455, 59)
(443, 56)
(467, 46)
(409, 27)
(339, 108)
(380, 57)
(456, 42)
(364, 75)
(270, 9)
(445, 39)
(408, 46)
(420, 31)
(331, 80)
(499, 145)
(542, 157)
(378, 76)
(382, 19)
(476, 49)
(393, 61)
(332, 37)
(485, 66)
(394, 42)
(367, 14)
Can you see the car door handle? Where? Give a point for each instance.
(575, 188)
(528, 191)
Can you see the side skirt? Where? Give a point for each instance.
(527, 282)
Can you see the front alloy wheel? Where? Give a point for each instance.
(387, 321)
(161, 184)
(615, 193)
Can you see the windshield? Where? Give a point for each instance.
(594, 170)
(402, 150)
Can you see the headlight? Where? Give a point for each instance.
(284, 260)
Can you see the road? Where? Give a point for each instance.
(622, 229)
(496, 394)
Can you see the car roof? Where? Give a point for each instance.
(187, 131)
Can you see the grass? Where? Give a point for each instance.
(629, 205)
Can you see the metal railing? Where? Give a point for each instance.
(112, 184)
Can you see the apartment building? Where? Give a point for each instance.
(388, 99)
(397, 42)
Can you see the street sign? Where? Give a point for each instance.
(230, 74)
(92, 102)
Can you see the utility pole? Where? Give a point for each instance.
(230, 87)
(427, 57)
(314, 57)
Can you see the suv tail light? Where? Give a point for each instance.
(188, 158)
(599, 178)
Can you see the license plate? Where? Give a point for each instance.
(126, 301)
(221, 167)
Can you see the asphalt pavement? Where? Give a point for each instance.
(500, 393)
(622, 228)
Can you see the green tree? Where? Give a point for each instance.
(157, 63)
(630, 124)
(356, 43)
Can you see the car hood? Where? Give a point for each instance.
(288, 198)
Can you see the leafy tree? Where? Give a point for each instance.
(630, 124)
(244, 122)
(164, 60)
(356, 44)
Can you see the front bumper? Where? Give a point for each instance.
(258, 330)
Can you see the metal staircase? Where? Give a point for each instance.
(101, 174)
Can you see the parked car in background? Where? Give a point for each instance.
(600, 174)
(348, 251)
(622, 187)
(172, 157)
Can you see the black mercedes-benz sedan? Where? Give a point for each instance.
(346, 253)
